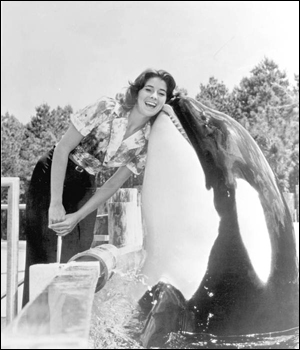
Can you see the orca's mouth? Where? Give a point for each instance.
(178, 125)
(206, 131)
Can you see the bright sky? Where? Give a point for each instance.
(73, 52)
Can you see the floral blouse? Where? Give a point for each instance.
(103, 125)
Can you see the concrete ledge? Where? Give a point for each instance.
(42, 274)
(59, 316)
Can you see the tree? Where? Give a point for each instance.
(11, 140)
(12, 132)
(216, 95)
(43, 131)
(268, 107)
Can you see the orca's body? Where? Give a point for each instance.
(221, 251)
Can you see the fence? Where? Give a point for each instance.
(13, 184)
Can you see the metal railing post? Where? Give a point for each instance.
(13, 184)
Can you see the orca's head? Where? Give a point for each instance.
(208, 132)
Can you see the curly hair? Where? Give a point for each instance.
(129, 99)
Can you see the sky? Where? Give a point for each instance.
(73, 52)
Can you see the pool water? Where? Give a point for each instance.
(117, 323)
(278, 340)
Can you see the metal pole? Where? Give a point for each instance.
(59, 246)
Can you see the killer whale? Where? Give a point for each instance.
(221, 256)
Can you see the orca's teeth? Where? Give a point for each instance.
(179, 127)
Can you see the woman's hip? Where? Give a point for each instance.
(75, 177)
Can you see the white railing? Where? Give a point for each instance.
(5, 206)
(13, 184)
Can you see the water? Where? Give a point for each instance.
(115, 320)
(117, 323)
(277, 340)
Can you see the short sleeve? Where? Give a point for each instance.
(138, 163)
(96, 113)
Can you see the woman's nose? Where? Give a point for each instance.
(154, 95)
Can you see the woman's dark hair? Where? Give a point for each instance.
(129, 100)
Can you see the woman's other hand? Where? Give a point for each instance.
(64, 227)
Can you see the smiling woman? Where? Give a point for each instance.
(62, 198)
(150, 101)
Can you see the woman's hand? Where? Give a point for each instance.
(66, 226)
(168, 109)
(56, 213)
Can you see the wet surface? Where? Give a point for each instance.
(276, 340)
(117, 323)
(59, 317)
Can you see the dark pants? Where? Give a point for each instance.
(41, 248)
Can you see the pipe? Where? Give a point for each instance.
(107, 255)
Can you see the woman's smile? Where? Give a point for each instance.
(152, 97)
(150, 104)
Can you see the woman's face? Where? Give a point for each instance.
(152, 97)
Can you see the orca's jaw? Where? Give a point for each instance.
(208, 134)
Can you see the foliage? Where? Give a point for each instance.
(268, 107)
(43, 131)
(12, 133)
(23, 145)
(216, 95)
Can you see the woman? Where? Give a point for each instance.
(62, 195)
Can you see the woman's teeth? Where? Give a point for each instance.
(151, 105)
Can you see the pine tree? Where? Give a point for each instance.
(43, 131)
(269, 110)
(216, 95)
(11, 140)
(268, 107)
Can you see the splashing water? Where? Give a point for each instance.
(116, 319)
(117, 323)
(277, 340)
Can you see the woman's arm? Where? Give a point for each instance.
(58, 171)
(98, 199)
